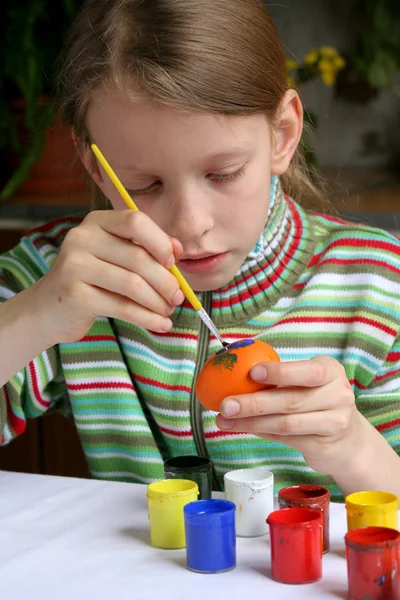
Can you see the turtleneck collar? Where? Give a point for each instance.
(273, 266)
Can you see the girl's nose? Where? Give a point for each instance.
(189, 217)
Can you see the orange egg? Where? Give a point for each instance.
(227, 373)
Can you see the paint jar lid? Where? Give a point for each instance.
(372, 500)
(258, 479)
(172, 488)
(185, 464)
(370, 538)
(306, 492)
(202, 512)
(296, 518)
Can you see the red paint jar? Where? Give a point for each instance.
(296, 544)
(310, 496)
(373, 563)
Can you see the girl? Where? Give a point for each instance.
(188, 102)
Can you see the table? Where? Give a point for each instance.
(83, 539)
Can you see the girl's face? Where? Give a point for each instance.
(204, 179)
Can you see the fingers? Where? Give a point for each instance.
(136, 261)
(137, 226)
(116, 306)
(315, 372)
(300, 424)
(287, 400)
(126, 283)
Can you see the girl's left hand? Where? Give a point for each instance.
(312, 409)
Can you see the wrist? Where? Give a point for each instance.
(356, 451)
(41, 315)
(358, 467)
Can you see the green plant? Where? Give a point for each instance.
(377, 54)
(32, 35)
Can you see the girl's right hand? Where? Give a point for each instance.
(101, 272)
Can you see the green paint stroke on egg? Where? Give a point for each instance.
(227, 360)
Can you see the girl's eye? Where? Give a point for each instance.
(141, 191)
(228, 176)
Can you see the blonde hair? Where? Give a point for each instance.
(223, 56)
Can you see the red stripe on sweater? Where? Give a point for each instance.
(51, 225)
(216, 434)
(174, 433)
(106, 385)
(393, 357)
(327, 319)
(177, 335)
(159, 384)
(209, 435)
(98, 338)
(362, 243)
(355, 382)
(388, 374)
(360, 262)
(383, 426)
(36, 391)
(18, 425)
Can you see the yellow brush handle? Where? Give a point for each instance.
(185, 287)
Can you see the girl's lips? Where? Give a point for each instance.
(199, 266)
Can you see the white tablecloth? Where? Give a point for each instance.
(63, 538)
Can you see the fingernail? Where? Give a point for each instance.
(170, 262)
(230, 408)
(166, 325)
(259, 373)
(178, 298)
(225, 423)
(170, 310)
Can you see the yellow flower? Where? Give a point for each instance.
(290, 82)
(328, 52)
(311, 58)
(291, 64)
(339, 62)
(328, 76)
(326, 65)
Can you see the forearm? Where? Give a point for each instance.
(22, 334)
(371, 465)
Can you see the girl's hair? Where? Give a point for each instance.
(222, 56)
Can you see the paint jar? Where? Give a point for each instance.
(372, 509)
(373, 563)
(296, 544)
(194, 468)
(311, 496)
(166, 499)
(252, 491)
(210, 536)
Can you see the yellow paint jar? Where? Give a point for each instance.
(372, 509)
(166, 499)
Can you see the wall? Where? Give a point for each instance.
(350, 135)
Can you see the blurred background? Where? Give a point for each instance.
(343, 56)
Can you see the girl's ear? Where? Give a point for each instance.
(89, 161)
(287, 131)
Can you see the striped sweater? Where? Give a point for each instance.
(311, 285)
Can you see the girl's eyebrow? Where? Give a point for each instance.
(238, 152)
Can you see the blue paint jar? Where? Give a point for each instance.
(210, 535)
